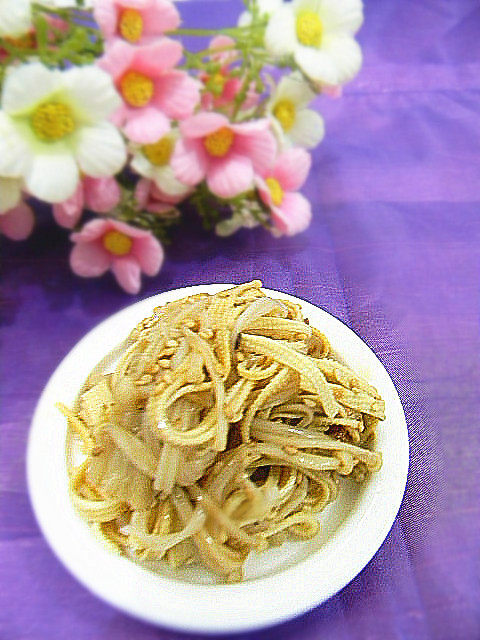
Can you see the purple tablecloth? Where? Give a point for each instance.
(393, 251)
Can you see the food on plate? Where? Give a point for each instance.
(222, 424)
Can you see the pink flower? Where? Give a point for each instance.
(108, 244)
(222, 87)
(17, 223)
(152, 90)
(227, 155)
(291, 212)
(137, 21)
(97, 194)
(151, 198)
(223, 49)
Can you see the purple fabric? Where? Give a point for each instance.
(393, 250)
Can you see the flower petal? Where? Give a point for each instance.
(146, 126)
(202, 124)
(127, 273)
(117, 58)
(142, 166)
(121, 115)
(123, 227)
(100, 150)
(316, 64)
(92, 92)
(280, 34)
(165, 210)
(176, 94)
(140, 5)
(260, 149)
(291, 169)
(15, 155)
(26, 85)
(345, 54)
(294, 214)
(279, 134)
(68, 213)
(105, 15)
(264, 191)
(16, 18)
(230, 177)
(308, 129)
(251, 127)
(52, 177)
(101, 194)
(293, 88)
(89, 259)
(162, 16)
(153, 60)
(92, 231)
(17, 224)
(230, 89)
(189, 162)
(149, 253)
(142, 191)
(169, 185)
(341, 15)
(227, 52)
(10, 193)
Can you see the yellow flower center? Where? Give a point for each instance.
(309, 28)
(219, 142)
(159, 153)
(136, 88)
(276, 191)
(117, 243)
(284, 112)
(216, 84)
(130, 25)
(52, 121)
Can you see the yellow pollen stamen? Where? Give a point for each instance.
(276, 191)
(52, 121)
(284, 112)
(159, 153)
(309, 28)
(117, 243)
(219, 142)
(216, 84)
(136, 88)
(130, 25)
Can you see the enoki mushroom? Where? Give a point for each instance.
(222, 425)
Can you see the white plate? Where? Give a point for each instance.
(280, 583)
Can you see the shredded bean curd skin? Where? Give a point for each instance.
(223, 424)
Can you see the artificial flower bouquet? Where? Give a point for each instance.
(106, 115)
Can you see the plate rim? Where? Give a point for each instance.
(262, 611)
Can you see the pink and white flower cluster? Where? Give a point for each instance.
(147, 125)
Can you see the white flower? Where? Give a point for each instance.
(15, 18)
(10, 193)
(153, 161)
(292, 121)
(60, 4)
(319, 35)
(265, 8)
(53, 124)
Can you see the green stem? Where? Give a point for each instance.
(233, 31)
